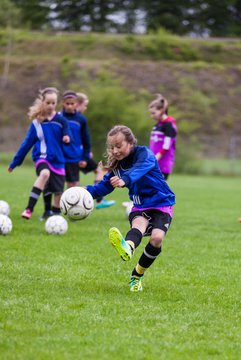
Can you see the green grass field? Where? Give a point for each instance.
(67, 297)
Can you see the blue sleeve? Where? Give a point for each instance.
(102, 188)
(85, 137)
(144, 162)
(29, 141)
(66, 129)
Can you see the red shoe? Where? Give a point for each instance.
(26, 214)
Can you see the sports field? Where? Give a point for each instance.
(67, 297)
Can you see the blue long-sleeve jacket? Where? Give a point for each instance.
(46, 139)
(143, 178)
(79, 148)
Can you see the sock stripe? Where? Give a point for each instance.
(148, 255)
(34, 195)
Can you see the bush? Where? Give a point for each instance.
(110, 104)
(187, 157)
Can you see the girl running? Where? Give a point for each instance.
(47, 132)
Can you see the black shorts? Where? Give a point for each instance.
(91, 166)
(157, 220)
(72, 170)
(55, 182)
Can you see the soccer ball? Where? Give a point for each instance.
(5, 224)
(4, 208)
(56, 225)
(77, 203)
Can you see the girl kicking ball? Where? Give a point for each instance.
(136, 168)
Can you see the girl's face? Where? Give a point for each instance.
(50, 103)
(82, 107)
(70, 105)
(156, 114)
(119, 147)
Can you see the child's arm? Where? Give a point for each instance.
(66, 130)
(24, 148)
(169, 133)
(117, 182)
(102, 188)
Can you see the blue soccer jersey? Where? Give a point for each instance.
(142, 176)
(46, 138)
(79, 148)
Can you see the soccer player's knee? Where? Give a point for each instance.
(156, 240)
(45, 173)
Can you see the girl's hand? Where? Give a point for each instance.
(10, 170)
(66, 139)
(158, 156)
(117, 182)
(82, 164)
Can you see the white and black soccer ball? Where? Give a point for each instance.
(4, 208)
(5, 224)
(56, 225)
(77, 203)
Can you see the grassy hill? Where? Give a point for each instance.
(121, 73)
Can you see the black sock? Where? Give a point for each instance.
(135, 273)
(33, 198)
(47, 201)
(56, 210)
(135, 236)
(149, 255)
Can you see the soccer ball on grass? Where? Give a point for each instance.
(56, 225)
(5, 224)
(4, 208)
(77, 203)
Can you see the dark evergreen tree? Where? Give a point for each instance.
(169, 15)
(34, 13)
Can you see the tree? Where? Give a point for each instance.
(9, 14)
(96, 15)
(168, 15)
(217, 18)
(34, 13)
(183, 17)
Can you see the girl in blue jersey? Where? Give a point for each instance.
(78, 154)
(47, 132)
(136, 168)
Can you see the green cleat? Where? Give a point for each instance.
(135, 283)
(119, 243)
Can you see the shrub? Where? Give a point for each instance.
(187, 157)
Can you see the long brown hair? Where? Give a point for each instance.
(36, 111)
(130, 138)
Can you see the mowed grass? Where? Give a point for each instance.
(67, 297)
